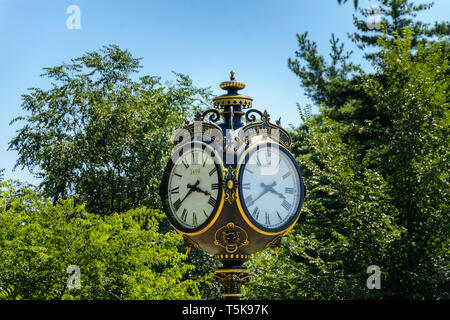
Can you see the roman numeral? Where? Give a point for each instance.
(184, 215)
(178, 175)
(250, 171)
(177, 204)
(287, 174)
(286, 205)
(194, 219)
(175, 190)
(212, 201)
(185, 163)
(279, 216)
(249, 200)
(246, 186)
(255, 213)
(214, 186)
(267, 218)
(204, 212)
(195, 158)
(212, 171)
(289, 190)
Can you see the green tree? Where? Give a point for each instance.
(120, 256)
(347, 225)
(101, 134)
(333, 82)
(384, 205)
(396, 15)
(412, 91)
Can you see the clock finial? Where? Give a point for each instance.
(232, 78)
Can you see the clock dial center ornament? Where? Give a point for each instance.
(232, 202)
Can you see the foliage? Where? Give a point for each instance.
(121, 256)
(6, 293)
(355, 2)
(334, 82)
(413, 94)
(386, 204)
(396, 15)
(100, 134)
(347, 226)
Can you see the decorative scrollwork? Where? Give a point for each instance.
(265, 118)
(214, 117)
(232, 281)
(275, 243)
(198, 116)
(231, 237)
(189, 243)
(230, 184)
(251, 117)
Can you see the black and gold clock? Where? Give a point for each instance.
(238, 198)
(191, 190)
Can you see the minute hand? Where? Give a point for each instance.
(261, 194)
(266, 189)
(191, 189)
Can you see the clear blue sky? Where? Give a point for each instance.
(202, 38)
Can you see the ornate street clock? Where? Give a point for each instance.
(232, 188)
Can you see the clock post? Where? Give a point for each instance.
(234, 188)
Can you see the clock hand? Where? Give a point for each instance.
(268, 186)
(202, 191)
(271, 189)
(277, 193)
(191, 189)
(193, 185)
(266, 189)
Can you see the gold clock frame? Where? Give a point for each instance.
(222, 198)
(238, 198)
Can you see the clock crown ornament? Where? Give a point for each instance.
(232, 209)
(232, 97)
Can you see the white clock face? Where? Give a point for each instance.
(270, 187)
(193, 188)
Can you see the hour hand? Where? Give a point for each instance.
(192, 188)
(278, 194)
(202, 191)
(271, 189)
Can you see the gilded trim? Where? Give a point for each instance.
(265, 128)
(238, 256)
(230, 237)
(232, 84)
(232, 270)
(205, 127)
(233, 100)
(230, 184)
